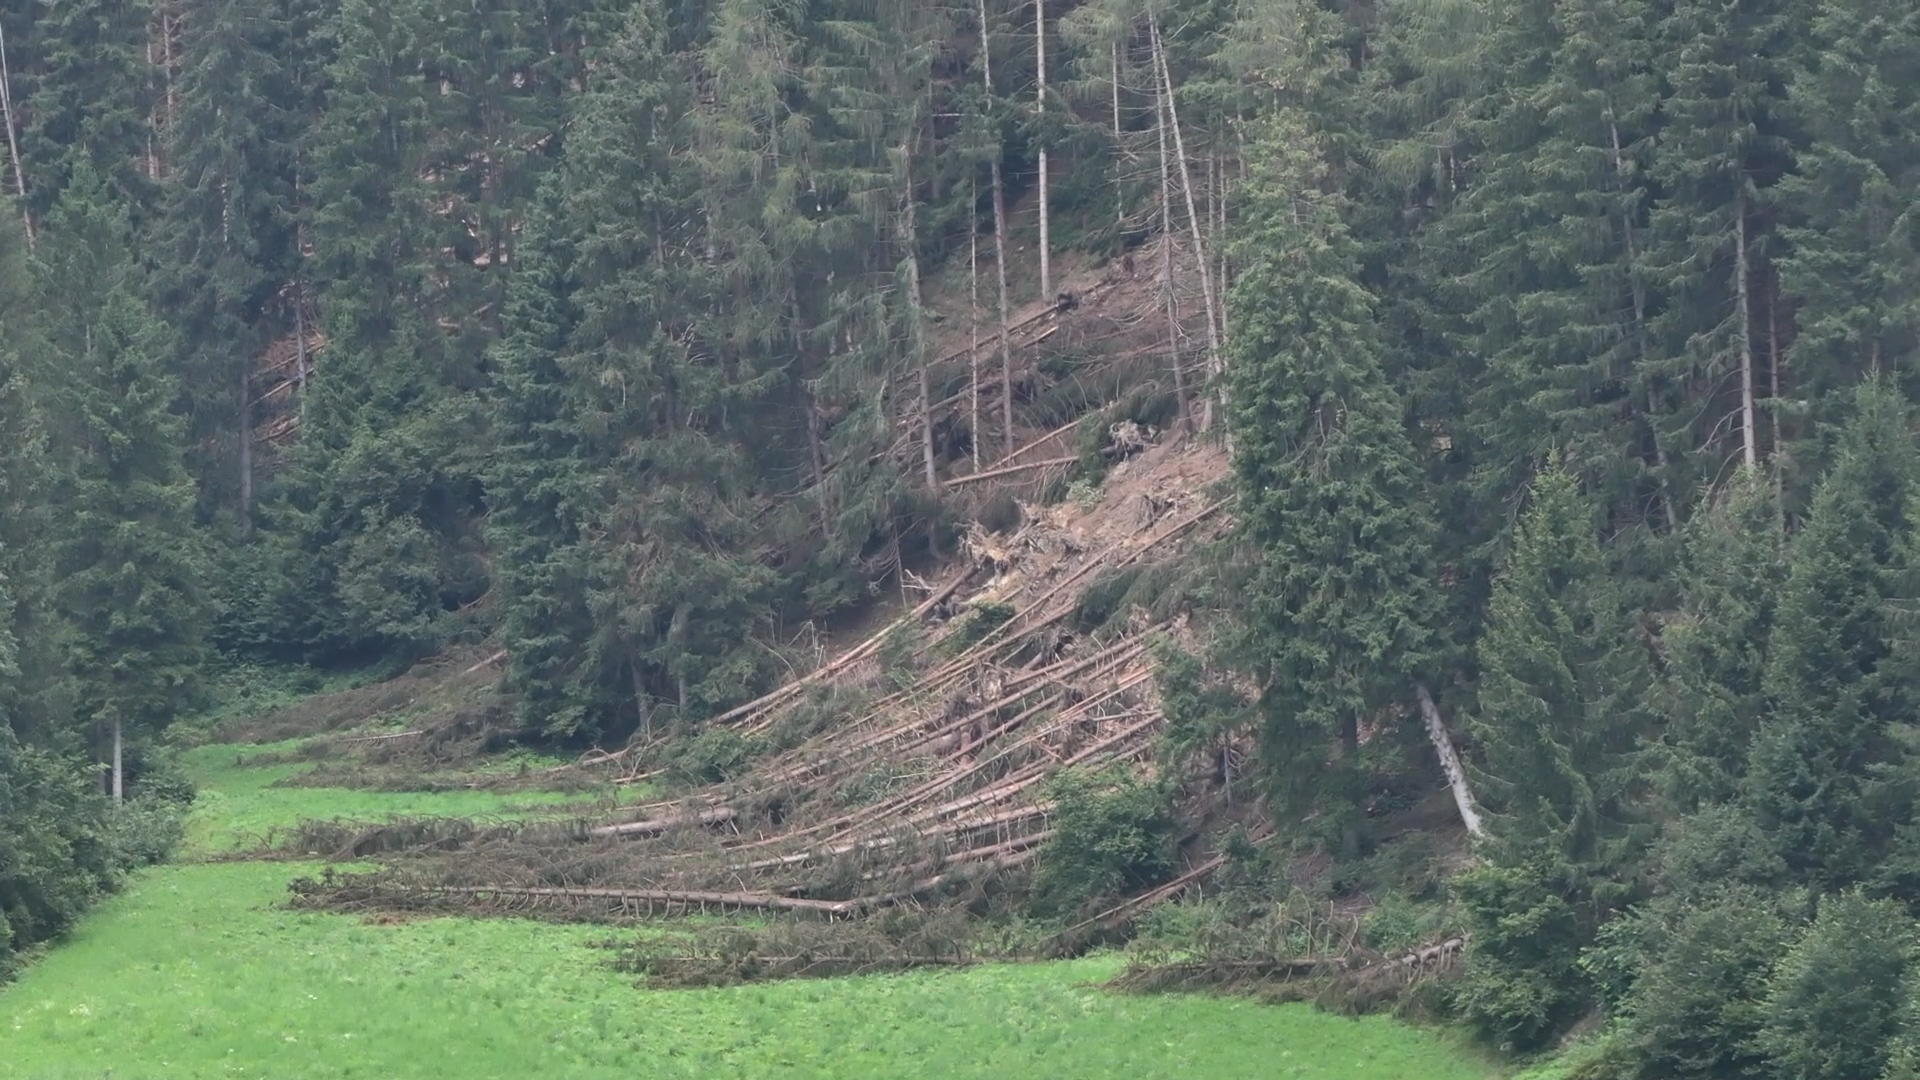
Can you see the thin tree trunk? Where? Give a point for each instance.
(1749, 437)
(999, 248)
(1449, 760)
(1040, 109)
(917, 319)
(1773, 360)
(119, 774)
(13, 142)
(1166, 271)
(973, 318)
(643, 709)
(1193, 223)
(1119, 193)
(300, 345)
(246, 452)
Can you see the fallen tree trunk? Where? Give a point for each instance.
(1449, 760)
(656, 826)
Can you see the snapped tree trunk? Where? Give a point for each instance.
(1749, 437)
(973, 321)
(1166, 272)
(246, 451)
(1449, 760)
(917, 329)
(1743, 333)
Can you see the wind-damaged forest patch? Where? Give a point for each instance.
(918, 770)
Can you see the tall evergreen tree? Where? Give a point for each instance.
(1837, 683)
(1340, 614)
(1561, 676)
(619, 597)
(130, 561)
(1853, 268)
(1715, 646)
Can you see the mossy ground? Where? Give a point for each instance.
(199, 970)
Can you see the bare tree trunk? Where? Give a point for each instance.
(119, 774)
(973, 318)
(1449, 761)
(246, 451)
(13, 142)
(643, 709)
(1040, 109)
(300, 345)
(999, 249)
(1193, 223)
(1119, 194)
(1749, 437)
(1773, 359)
(917, 317)
(1166, 271)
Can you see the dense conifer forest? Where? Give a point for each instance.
(1564, 354)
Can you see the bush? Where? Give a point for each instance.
(975, 624)
(145, 830)
(1112, 836)
(709, 757)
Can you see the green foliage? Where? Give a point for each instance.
(1715, 646)
(1698, 1003)
(710, 756)
(1522, 981)
(1112, 837)
(130, 562)
(1822, 776)
(1342, 608)
(976, 623)
(1836, 1001)
(1560, 678)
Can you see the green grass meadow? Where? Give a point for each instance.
(239, 806)
(199, 970)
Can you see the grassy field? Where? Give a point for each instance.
(200, 971)
(238, 805)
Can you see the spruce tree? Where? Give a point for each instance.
(1340, 613)
(618, 598)
(1835, 1003)
(1853, 267)
(129, 559)
(1715, 646)
(1560, 679)
(1836, 681)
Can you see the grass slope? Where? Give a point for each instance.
(200, 971)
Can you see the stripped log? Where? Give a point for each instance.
(656, 826)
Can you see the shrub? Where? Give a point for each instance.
(1112, 835)
(709, 757)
